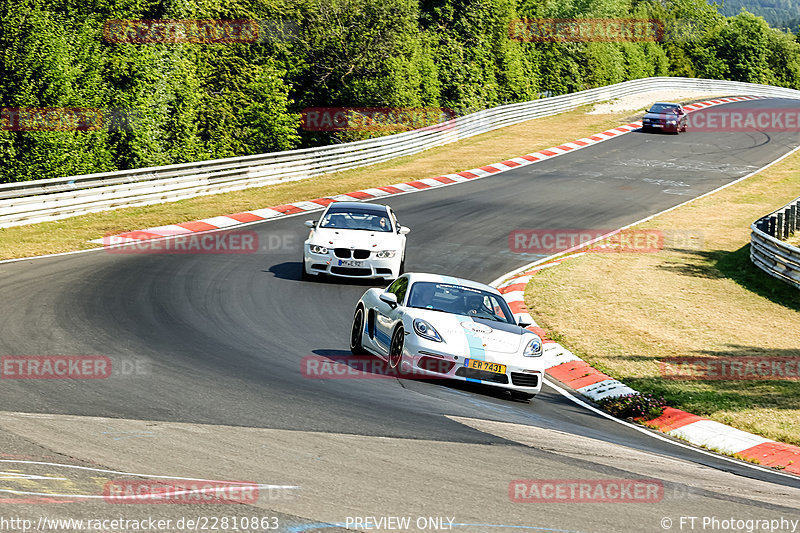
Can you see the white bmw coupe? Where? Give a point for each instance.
(355, 240)
(440, 326)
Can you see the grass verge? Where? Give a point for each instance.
(625, 312)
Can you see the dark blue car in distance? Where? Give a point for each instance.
(665, 116)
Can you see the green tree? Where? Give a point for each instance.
(743, 44)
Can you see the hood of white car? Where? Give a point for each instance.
(350, 238)
(464, 332)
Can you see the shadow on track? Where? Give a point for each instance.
(293, 270)
(372, 367)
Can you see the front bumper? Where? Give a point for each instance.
(663, 126)
(372, 267)
(426, 361)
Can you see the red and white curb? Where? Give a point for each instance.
(572, 371)
(258, 215)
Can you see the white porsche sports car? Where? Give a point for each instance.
(440, 326)
(355, 240)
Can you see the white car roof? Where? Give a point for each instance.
(343, 207)
(414, 277)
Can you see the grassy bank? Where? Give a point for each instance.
(625, 312)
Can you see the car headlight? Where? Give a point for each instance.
(317, 249)
(670, 122)
(426, 331)
(383, 254)
(534, 348)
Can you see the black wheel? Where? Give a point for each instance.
(355, 333)
(521, 396)
(396, 348)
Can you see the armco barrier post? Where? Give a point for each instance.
(797, 215)
(779, 227)
(785, 223)
(771, 227)
(792, 219)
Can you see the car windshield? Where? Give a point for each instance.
(663, 108)
(459, 300)
(357, 220)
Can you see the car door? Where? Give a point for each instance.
(387, 316)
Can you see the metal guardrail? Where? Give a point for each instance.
(769, 252)
(36, 201)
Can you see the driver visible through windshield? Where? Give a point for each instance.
(459, 300)
(356, 220)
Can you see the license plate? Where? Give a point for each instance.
(487, 366)
(350, 263)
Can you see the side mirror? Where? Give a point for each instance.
(402, 230)
(390, 298)
(523, 324)
(310, 224)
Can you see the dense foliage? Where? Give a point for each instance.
(172, 103)
(777, 13)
